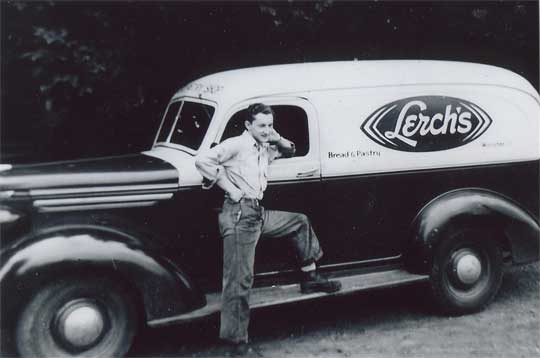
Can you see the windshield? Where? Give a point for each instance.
(190, 121)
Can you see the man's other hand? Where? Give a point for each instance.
(274, 137)
(236, 195)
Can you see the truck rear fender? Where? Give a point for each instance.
(473, 208)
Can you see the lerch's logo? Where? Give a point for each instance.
(426, 124)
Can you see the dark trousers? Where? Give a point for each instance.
(241, 225)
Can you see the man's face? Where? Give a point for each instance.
(261, 127)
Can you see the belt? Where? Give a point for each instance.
(250, 200)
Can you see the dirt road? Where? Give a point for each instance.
(387, 323)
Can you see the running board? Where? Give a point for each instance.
(277, 295)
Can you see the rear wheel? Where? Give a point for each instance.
(90, 318)
(466, 272)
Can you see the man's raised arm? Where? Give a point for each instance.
(285, 147)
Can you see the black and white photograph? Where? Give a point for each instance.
(322, 178)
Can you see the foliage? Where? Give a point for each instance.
(93, 78)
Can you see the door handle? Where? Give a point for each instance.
(307, 173)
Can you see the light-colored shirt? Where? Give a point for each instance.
(243, 160)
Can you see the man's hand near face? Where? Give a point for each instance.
(274, 137)
(285, 146)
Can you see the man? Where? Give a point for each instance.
(239, 165)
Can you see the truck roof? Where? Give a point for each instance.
(237, 85)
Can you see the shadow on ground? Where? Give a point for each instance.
(278, 331)
(349, 313)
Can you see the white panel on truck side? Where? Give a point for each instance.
(403, 128)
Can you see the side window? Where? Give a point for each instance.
(290, 121)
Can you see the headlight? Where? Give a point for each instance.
(8, 216)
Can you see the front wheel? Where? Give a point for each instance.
(68, 318)
(466, 272)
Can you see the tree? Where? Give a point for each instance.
(93, 78)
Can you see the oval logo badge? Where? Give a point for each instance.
(426, 123)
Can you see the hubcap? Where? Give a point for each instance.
(80, 324)
(468, 268)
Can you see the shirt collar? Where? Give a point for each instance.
(249, 138)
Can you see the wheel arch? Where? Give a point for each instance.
(87, 250)
(512, 226)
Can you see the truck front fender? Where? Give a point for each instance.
(90, 250)
(473, 208)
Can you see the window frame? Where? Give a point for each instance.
(280, 168)
(183, 148)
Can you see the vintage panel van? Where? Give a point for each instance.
(410, 171)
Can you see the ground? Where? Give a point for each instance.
(387, 323)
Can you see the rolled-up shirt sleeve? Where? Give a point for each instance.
(273, 153)
(210, 162)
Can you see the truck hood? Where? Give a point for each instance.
(95, 175)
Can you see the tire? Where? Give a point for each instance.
(77, 317)
(466, 272)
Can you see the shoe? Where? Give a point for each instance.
(313, 282)
(233, 349)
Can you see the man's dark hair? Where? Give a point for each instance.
(257, 108)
